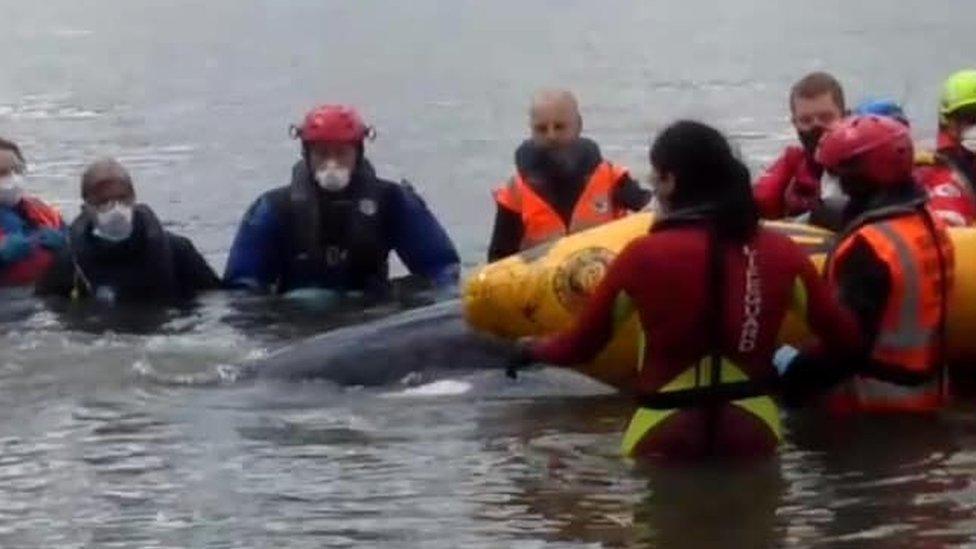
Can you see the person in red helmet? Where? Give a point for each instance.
(791, 186)
(336, 223)
(892, 267)
(711, 288)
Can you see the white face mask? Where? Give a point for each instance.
(114, 224)
(11, 190)
(332, 177)
(968, 139)
(830, 186)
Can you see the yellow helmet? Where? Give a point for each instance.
(958, 92)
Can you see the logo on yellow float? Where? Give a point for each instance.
(578, 276)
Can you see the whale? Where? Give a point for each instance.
(416, 343)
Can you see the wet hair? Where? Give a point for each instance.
(707, 173)
(816, 84)
(7, 145)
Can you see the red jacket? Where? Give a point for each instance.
(952, 197)
(38, 215)
(665, 277)
(789, 187)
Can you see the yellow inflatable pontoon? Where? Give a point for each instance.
(540, 291)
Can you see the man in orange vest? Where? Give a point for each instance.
(893, 267)
(562, 183)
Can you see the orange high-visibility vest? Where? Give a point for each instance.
(541, 222)
(908, 341)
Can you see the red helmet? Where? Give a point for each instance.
(879, 149)
(332, 124)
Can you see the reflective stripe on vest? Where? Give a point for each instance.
(541, 222)
(867, 394)
(909, 332)
(907, 340)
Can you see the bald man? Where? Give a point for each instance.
(119, 251)
(562, 183)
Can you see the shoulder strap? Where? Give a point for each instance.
(81, 284)
(305, 220)
(880, 214)
(943, 342)
(716, 316)
(965, 176)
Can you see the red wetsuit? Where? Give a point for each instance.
(790, 187)
(948, 176)
(664, 276)
(36, 215)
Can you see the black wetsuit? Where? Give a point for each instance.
(151, 265)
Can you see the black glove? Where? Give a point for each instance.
(810, 376)
(521, 357)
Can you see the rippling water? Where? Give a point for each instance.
(196, 98)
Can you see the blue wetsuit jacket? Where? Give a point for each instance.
(300, 236)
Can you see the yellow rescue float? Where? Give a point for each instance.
(541, 290)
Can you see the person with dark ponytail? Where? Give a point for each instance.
(711, 289)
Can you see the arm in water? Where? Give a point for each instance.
(506, 236)
(841, 335)
(629, 195)
(421, 241)
(606, 309)
(193, 274)
(14, 248)
(255, 257)
(836, 327)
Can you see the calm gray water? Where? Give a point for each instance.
(196, 98)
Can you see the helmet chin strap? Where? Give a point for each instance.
(857, 191)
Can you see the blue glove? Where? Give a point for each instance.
(784, 358)
(52, 239)
(448, 276)
(14, 248)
